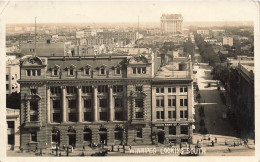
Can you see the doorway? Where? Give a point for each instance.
(161, 137)
(72, 140)
(103, 138)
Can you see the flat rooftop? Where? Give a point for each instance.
(168, 71)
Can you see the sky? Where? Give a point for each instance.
(125, 11)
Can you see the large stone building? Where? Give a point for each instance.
(103, 98)
(12, 76)
(171, 23)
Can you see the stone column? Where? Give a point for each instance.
(95, 107)
(27, 106)
(79, 104)
(48, 105)
(111, 109)
(64, 108)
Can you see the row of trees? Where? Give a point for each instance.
(206, 51)
(189, 48)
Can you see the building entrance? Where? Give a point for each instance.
(103, 136)
(72, 140)
(161, 137)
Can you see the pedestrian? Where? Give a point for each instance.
(212, 143)
(234, 144)
(216, 140)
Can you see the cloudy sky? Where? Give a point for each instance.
(123, 11)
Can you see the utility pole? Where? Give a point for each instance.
(35, 39)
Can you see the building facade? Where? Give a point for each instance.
(171, 23)
(13, 128)
(228, 41)
(12, 76)
(80, 100)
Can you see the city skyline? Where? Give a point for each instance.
(125, 12)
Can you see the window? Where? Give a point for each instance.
(33, 136)
(87, 116)
(71, 72)
(102, 102)
(134, 70)
(7, 86)
(159, 90)
(183, 89)
(102, 71)
(102, 89)
(33, 105)
(172, 102)
(87, 71)
(10, 124)
(181, 114)
(87, 135)
(139, 103)
(28, 72)
(139, 70)
(139, 88)
(55, 90)
(33, 73)
(183, 102)
(118, 102)
(118, 116)
(72, 117)
(71, 90)
(185, 113)
(118, 134)
(11, 139)
(118, 70)
(34, 91)
(118, 88)
(159, 102)
(172, 130)
(171, 114)
(103, 116)
(139, 115)
(87, 103)
(160, 115)
(87, 89)
(72, 104)
(56, 104)
(55, 72)
(172, 90)
(139, 133)
(184, 129)
(56, 117)
(7, 77)
(33, 117)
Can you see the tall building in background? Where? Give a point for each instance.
(171, 23)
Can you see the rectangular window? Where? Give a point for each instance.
(118, 71)
(183, 89)
(102, 102)
(158, 115)
(143, 70)
(139, 133)
(56, 104)
(171, 102)
(169, 114)
(34, 136)
(33, 117)
(28, 72)
(87, 103)
(87, 89)
(56, 117)
(7, 77)
(162, 115)
(159, 90)
(118, 102)
(71, 89)
(139, 70)
(102, 71)
(184, 129)
(139, 103)
(102, 89)
(172, 90)
(72, 104)
(174, 114)
(186, 113)
(172, 130)
(134, 70)
(11, 139)
(7, 86)
(87, 116)
(118, 116)
(185, 102)
(139, 88)
(118, 88)
(159, 102)
(10, 124)
(103, 116)
(181, 102)
(55, 90)
(87, 71)
(72, 117)
(139, 115)
(33, 105)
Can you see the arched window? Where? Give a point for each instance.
(118, 133)
(55, 136)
